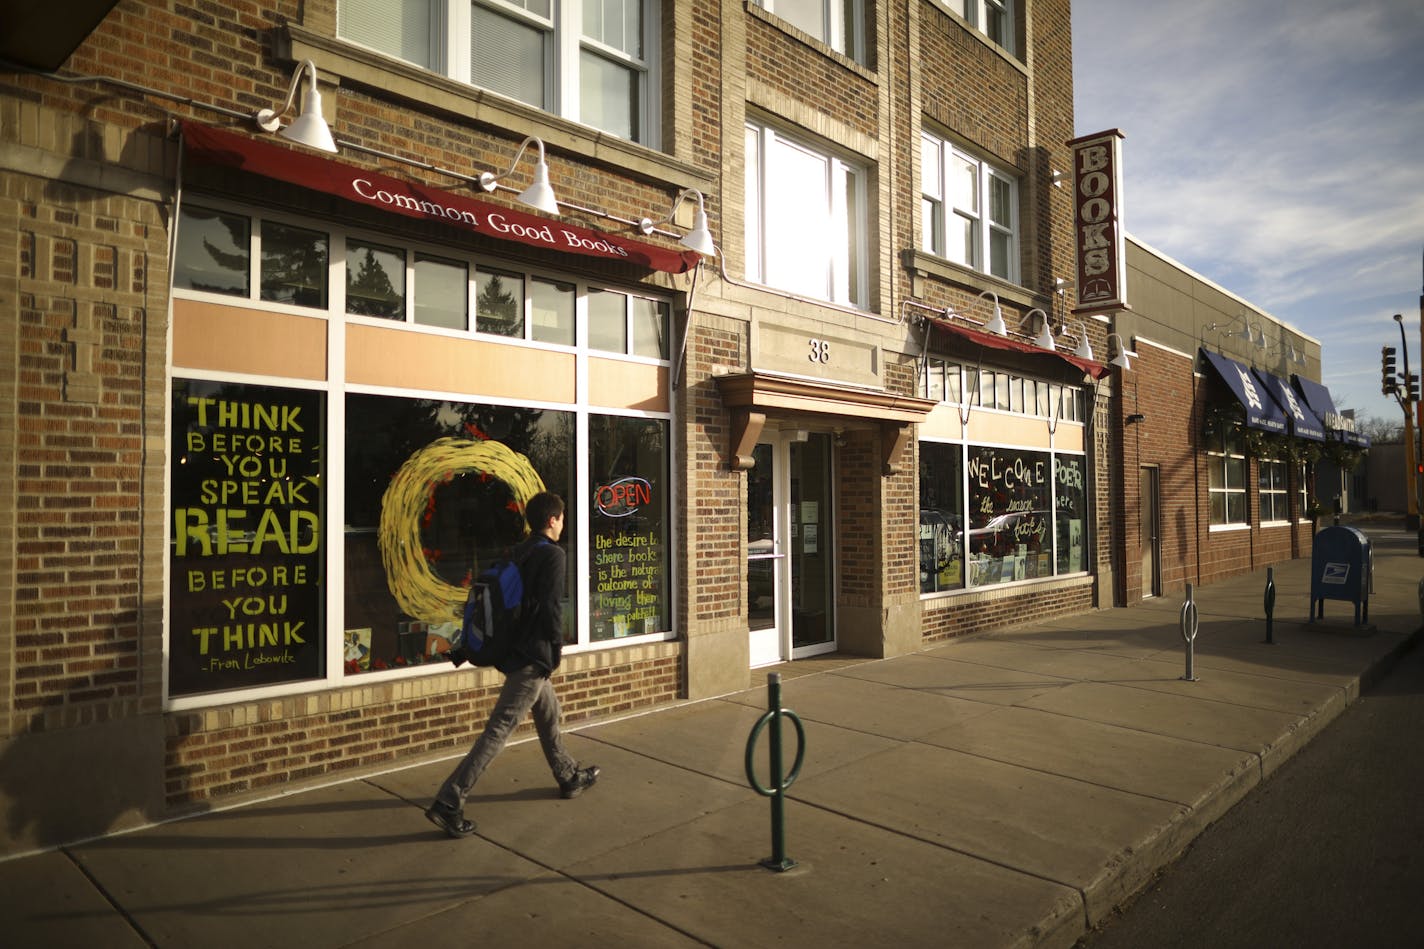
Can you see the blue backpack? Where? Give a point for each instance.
(491, 615)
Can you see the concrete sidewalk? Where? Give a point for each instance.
(1005, 790)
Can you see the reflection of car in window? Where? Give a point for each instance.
(940, 545)
(1004, 532)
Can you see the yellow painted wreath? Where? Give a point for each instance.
(420, 592)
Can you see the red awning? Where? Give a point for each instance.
(984, 338)
(213, 146)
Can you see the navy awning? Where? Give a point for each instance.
(1261, 410)
(1304, 422)
(1336, 425)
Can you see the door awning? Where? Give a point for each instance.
(1261, 410)
(1337, 426)
(753, 396)
(1007, 344)
(1303, 422)
(222, 149)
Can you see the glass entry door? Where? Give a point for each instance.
(790, 548)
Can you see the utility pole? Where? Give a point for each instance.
(1419, 405)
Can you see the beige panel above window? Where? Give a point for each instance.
(221, 338)
(617, 384)
(402, 359)
(1001, 428)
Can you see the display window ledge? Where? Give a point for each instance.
(942, 599)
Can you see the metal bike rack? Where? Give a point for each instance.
(778, 860)
(1189, 631)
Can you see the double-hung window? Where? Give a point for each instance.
(1226, 477)
(993, 18)
(805, 221)
(590, 61)
(837, 23)
(969, 209)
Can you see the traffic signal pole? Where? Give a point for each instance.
(1404, 395)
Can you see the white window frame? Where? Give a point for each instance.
(1273, 501)
(564, 44)
(1228, 453)
(833, 31)
(938, 157)
(982, 14)
(839, 272)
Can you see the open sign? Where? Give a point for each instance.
(623, 497)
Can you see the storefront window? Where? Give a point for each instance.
(552, 306)
(375, 280)
(1070, 512)
(608, 321)
(941, 517)
(246, 603)
(650, 337)
(435, 490)
(214, 252)
(499, 302)
(1226, 477)
(629, 582)
(294, 265)
(442, 291)
(1010, 499)
(1274, 497)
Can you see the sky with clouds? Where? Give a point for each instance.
(1277, 149)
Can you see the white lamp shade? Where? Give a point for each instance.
(539, 194)
(700, 237)
(309, 128)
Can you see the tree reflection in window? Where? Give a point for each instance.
(293, 265)
(214, 253)
(499, 303)
(375, 280)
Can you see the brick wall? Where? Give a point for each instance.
(245, 749)
(966, 613)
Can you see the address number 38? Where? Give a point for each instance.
(820, 350)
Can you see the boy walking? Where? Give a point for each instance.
(533, 657)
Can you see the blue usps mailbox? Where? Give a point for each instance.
(1339, 570)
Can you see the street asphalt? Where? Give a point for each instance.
(1008, 789)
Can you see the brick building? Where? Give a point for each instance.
(271, 400)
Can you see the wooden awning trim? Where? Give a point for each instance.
(752, 397)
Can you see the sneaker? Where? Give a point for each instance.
(582, 778)
(452, 822)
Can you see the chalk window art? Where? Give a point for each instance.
(999, 515)
(435, 491)
(246, 604)
(629, 579)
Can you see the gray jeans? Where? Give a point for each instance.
(525, 690)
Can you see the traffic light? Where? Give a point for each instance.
(1414, 387)
(1387, 370)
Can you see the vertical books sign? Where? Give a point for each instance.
(1097, 222)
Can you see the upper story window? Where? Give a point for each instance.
(587, 60)
(969, 209)
(837, 23)
(993, 18)
(805, 221)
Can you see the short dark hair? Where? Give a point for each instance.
(542, 508)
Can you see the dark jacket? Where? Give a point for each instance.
(540, 641)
